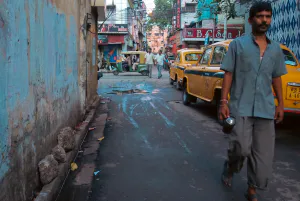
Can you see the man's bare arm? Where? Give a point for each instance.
(277, 85)
(226, 85)
(224, 110)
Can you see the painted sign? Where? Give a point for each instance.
(111, 53)
(121, 28)
(219, 33)
(178, 14)
(102, 39)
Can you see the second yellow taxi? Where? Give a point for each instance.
(184, 58)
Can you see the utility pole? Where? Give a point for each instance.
(225, 27)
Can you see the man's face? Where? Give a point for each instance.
(160, 52)
(149, 51)
(261, 22)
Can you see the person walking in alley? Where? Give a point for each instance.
(160, 62)
(252, 65)
(149, 60)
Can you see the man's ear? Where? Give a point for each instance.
(250, 20)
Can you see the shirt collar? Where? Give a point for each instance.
(253, 38)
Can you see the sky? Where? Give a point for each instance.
(150, 5)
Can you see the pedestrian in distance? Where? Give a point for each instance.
(252, 65)
(149, 60)
(160, 58)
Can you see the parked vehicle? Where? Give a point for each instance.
(204, 81)
(123, 66)
(185, 58)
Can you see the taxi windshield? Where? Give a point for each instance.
(289, 58)
(192, 57)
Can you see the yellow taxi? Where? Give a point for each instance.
(204, 81)
(184, 58)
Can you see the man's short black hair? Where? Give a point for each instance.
(259, 7)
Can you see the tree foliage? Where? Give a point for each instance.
(224, 6)
(227, 7)
(162, 14)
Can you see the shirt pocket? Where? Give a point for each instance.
(246, 63)
(267, 65)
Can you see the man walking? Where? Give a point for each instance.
(252, 65)
(160, 62)
(149, 60)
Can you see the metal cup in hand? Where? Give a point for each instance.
(228, 125)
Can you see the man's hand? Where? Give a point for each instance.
(223, 112)
(279, 113)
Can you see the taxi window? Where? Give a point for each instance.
(289, 58)
(192, 57)
(219, 53)
(206, 56)
(178, 57)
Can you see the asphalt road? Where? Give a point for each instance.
(157, 149)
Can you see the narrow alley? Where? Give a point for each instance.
(155, 148)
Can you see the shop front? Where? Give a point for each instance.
(111, 47)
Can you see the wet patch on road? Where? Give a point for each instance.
(130, 91)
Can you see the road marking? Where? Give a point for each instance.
(182, 143)
(168, 122)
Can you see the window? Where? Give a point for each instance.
(192, 57)
(289, 58)
(178, 58)
(219, 53)
(206, 56)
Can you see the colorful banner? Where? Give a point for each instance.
(106, 28)
(178, 14)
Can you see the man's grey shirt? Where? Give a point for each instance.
(251, 90)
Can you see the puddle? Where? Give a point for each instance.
(130, 91)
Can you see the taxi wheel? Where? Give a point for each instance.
(187, 98)
(171, 81)
(178, 87)
(144, 73)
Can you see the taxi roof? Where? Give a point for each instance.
(227, 42)
(190, 50)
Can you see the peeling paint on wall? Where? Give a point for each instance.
(39, 85)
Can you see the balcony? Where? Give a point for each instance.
(188, 9)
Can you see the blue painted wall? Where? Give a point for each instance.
(285, 27)
(38, 79)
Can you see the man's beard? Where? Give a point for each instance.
(265, 27)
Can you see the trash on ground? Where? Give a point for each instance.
(100, 139)
(103, 102)
(109, 118)
(74, 166)
(92, 128)
(95, 173)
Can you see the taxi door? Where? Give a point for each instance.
(173, 69)
(196, 81)
(211, 78)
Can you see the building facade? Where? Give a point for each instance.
(195, 22)
(121, 28)
(157, 39)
